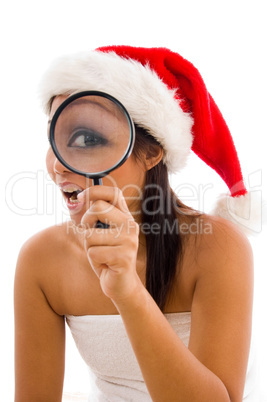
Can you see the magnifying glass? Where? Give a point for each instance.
(91, 134)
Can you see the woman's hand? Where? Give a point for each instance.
(112, 252)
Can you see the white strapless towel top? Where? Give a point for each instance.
(115, 374)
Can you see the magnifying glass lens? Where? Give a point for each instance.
(92, 135)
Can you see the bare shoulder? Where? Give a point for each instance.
(46, 249)
(41, 257)
(42, 243)
(39, 330)
(221, 243)
(215, 253)
(222, 302)
(223, 263)
(55, 261)
(216, 248)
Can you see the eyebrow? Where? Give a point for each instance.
(81, 101)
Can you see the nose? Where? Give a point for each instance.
(59, 168)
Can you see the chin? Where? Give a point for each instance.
(76, 218)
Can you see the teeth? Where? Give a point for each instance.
(71, 190)
(73, 200)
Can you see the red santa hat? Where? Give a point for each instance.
(165, 94)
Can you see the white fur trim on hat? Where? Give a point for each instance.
(148, 100)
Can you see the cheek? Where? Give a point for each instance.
(50, 163)
(128, 177)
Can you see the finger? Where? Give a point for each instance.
(105, 212)
(112, 195)
(109, 257)
(103, 237)
(112, 236)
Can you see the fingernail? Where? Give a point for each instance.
(80, 195)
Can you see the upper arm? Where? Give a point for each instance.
(39, 333)
(222, 307)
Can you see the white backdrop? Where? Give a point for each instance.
(227, 43)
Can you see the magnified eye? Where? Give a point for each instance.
(85, 138)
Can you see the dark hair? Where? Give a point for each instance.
(164, 246)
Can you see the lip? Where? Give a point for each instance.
(71, 206)
(66, 184)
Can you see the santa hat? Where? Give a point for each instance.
(165, 94)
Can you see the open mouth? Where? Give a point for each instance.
(72, 195)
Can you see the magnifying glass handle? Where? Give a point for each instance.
(97, 181)
(99, 225)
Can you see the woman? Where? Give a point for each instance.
(159, 310)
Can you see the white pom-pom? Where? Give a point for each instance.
(247, 211)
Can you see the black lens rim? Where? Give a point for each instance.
(97, 175)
